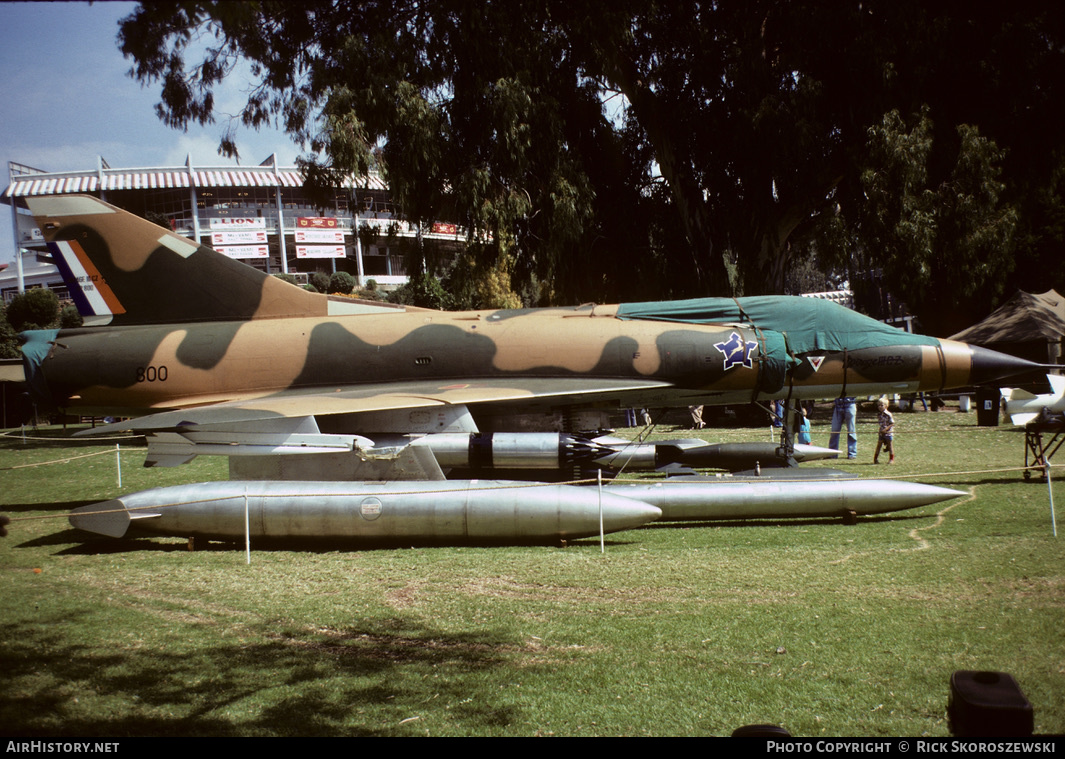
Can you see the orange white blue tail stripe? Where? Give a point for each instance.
(88, 289)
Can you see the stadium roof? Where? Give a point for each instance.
(28, 182)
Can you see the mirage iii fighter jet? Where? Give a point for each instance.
(214, 356)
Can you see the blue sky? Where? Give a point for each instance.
(67, 99)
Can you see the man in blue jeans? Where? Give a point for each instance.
(845, 411)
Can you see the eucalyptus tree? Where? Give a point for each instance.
(629, 149)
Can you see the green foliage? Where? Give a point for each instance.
(286, 278)
(944, 241)
(635, 150)
(1040, 237)
(494, 288)
(320, 280)
(423, 290)
(368, 236)
(37, 308)
(69, 318)
(371, 285)
(341, 282)
(492, 285)
(485, 281)
(808, 275)
(9, 339)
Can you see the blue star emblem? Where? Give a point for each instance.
(736, 351)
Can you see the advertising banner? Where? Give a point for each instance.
(320, 251)
(235, 223)
(319, 235)
(317, 222)
(240, 237)
(245, 251)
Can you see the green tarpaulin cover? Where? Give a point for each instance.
(808, 324)
(38, 344)
(786, 327)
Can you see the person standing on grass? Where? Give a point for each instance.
(804, 428)
(886, 438)
(845, 413)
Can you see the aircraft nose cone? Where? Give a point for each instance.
(990, 367)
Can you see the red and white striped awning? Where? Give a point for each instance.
(144, 180)
(50, 184)
(158, 179)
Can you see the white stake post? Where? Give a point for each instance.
(1050, 491)
(602, 542)
(247, 529)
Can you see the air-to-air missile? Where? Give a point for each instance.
(474, 452)
(817, 494)
(438, 512)
(485, 452)
(1023, 407)
(699, 454)
(563, 451)
(549, 455)
(480, 454)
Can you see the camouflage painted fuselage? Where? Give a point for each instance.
(134, 370)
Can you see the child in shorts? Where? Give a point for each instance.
(886, 437)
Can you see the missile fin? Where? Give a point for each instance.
(109, 518)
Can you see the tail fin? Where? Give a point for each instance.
(122, 269)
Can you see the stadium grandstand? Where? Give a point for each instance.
(258, 214)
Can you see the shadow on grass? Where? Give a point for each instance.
(769, 522)
(19, 508)
(95, 545)
(359, 681)
(87, 544)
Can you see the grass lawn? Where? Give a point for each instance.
(679, 629)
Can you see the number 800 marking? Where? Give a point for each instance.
(151, 374)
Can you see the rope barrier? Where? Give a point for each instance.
(108, 452)
(66, 440)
